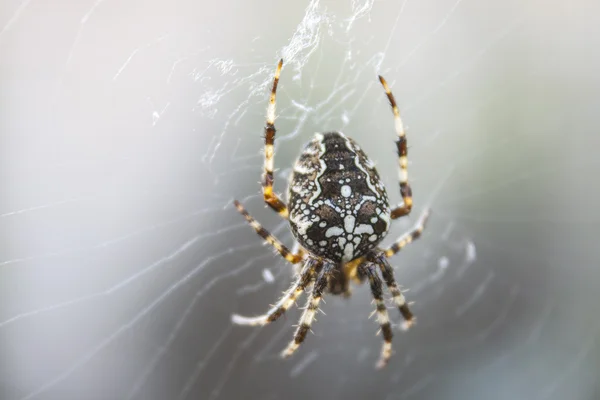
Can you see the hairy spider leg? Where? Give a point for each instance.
(370, 271)
(405, 190)
(409, 237)
(388, 276)
(270, 197)
(289, 298)
(312, 305)
(272, 240)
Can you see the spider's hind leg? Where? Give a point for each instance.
(304, 279)
(387, 272)
(369, 270)
(312, 305)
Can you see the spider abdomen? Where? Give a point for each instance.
(338, 205)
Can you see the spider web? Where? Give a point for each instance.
(128, 129)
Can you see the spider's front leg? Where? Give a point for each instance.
(270, 197)
(402, 148)
(312, 305)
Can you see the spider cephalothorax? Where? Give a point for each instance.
(338, 211)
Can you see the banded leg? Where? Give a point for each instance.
(270, 197)
(388, 276)
(286, 301)
(409, 237)
(272, 240)
(312, 305)
(405, 190)
(382, 314)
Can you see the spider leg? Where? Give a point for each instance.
(409, 237)
(388, 275)
(369, 269)
(270, 197)
(286, 301)
(272, 240)
(405, 190)
(312, 305)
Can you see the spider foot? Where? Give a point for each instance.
(406, 325)
(289, 350)
(248, 321)
(386, 353)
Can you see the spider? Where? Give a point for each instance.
(338, 212)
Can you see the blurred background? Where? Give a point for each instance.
(127, 129)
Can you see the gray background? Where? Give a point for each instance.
(128, 127)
